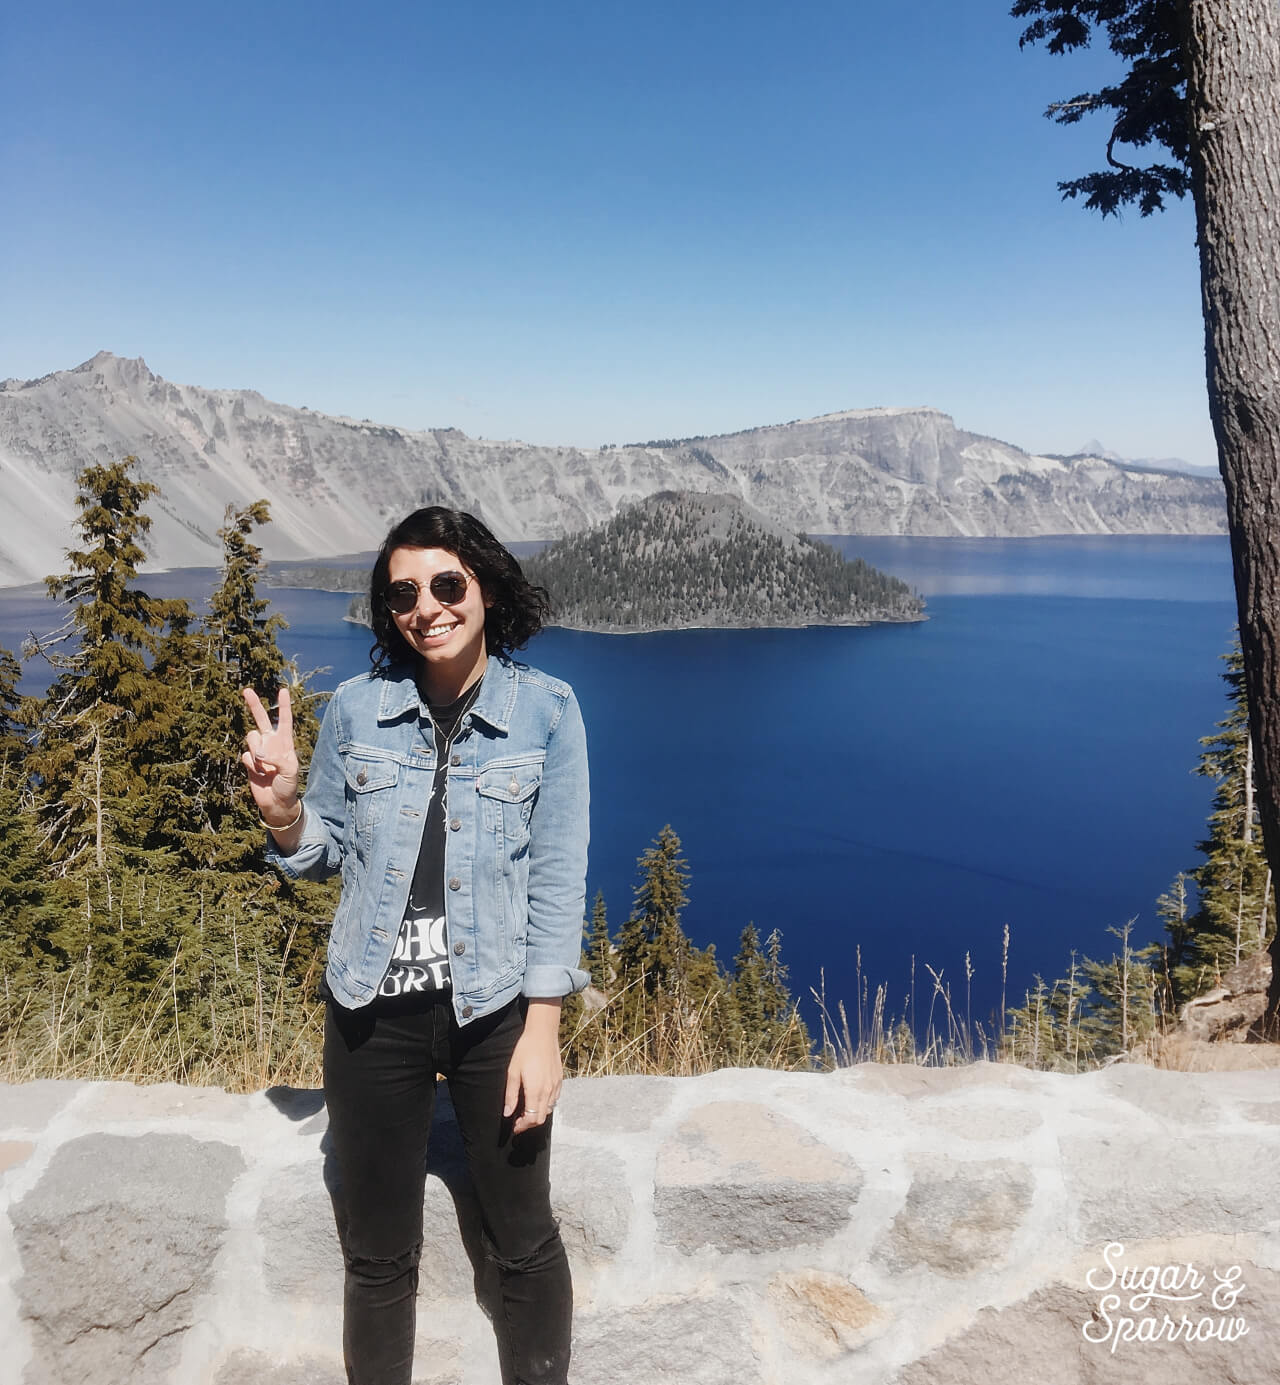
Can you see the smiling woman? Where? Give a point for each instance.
(439, 612)
(449, 787)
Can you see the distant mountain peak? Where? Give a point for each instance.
(101, 359)
(1093, 448)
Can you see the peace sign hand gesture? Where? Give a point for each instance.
(271, 761)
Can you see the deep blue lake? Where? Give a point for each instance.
(1024, 757)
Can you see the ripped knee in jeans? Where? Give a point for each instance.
(548, 1250)
(380, 1269)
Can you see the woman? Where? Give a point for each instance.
(449, 786)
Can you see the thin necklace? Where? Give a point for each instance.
(448, 737)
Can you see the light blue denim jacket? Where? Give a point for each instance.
(515, 839)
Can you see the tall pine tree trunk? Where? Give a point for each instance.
(99, 854)
(1232, 50)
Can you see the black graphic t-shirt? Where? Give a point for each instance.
(420, 962)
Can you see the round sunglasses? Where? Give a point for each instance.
(448, 588)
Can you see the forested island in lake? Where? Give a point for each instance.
(682, 559)
(318, 577)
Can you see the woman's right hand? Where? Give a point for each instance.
(271, 761)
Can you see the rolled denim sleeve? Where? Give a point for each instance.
(558, 834)
(318, 854)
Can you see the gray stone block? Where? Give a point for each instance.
(612, 1104)
(739, 1176)
(435, 1363)
(591, 1198)
(958, 1218)
(301, 1256)
(756, 1217)
(451, 1246)
(123, 1101)
(1038, 1338)
(1042, 1338)
(32, 1105)
(256, 1368)
(1173, 1096)
(1120, 1187)
(117, 1241)
(914, 1082)
(705, 1340)
(981, 1121)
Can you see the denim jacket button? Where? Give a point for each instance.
(459, 949)
(454, 824)
(455, 883)
(466, 1012)
(513, 787)
(455, 759)
(362, 778)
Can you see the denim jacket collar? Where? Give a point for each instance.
(494, 705)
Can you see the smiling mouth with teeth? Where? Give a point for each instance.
(438, 630)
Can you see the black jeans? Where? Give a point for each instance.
(380, 1067)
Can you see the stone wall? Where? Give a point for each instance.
(895, 1225)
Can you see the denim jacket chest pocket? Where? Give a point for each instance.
(371, 780)
(507, 792)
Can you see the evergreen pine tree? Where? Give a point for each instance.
(209, 817)
(749, 983)
(250, 930)
(660, 898)
(95, 737)
(1032, 1037)
(1235, 915)
(1174, 909)
(786, 1033)
(105, 712)
(669, 995)
(1072, 1023)
(1122, 1013)
(24, 920)
(1233, 882)
(599, 949)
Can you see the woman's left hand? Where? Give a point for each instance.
(534, 1073)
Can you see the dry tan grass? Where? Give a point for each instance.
(666, 1038)
(1181, 1053)
(274, 1039)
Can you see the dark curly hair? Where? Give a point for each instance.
(518, 610)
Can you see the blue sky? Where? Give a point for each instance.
(593, 222)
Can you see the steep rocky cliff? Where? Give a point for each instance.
(334, 484)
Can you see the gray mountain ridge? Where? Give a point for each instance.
(335, 484)
(1093, 448)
